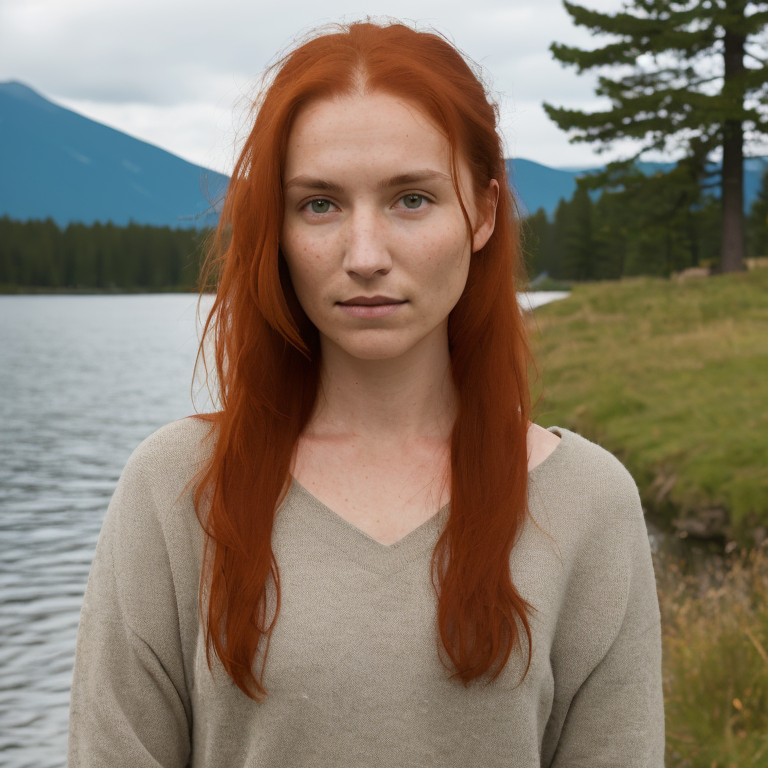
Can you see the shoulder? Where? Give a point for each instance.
(584, 501)
(585, 497)
(159, 475)
(584, 474)
(179, 443)
(173, 454)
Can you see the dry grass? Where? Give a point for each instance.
(715, 639)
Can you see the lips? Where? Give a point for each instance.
(371, 301)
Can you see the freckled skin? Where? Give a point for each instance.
(366, 241)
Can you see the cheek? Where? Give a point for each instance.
(304, 266)
(446, 263)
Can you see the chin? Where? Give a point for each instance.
(372, 348)
(375, 352)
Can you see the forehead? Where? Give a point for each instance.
(364, 135)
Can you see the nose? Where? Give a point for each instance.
(366, 251)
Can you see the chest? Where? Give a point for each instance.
(354, 668)
(386, 492)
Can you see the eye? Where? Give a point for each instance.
(413, 200)
(320, 206)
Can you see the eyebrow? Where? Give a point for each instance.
(414, 177)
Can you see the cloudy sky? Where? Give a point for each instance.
(178, 73)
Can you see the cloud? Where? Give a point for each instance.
(175, 72)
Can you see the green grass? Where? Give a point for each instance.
(673, 378)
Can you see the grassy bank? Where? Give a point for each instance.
(673, 378)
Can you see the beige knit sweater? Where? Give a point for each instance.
(353, 675)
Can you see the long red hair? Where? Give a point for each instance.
(267, 363)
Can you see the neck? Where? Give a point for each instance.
(410, 396)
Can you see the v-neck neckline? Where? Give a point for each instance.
(362, 547)
(337, 532)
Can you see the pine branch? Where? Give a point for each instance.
(610, 55)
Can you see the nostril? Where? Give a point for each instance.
(367, 264)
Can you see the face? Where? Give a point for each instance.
(373, 235)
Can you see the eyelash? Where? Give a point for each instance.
(424, 198)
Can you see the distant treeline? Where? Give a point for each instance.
(38, 255)
(655, 227)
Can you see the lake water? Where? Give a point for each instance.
(83, 380)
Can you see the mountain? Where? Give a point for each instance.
(538, 186)
(57, 163)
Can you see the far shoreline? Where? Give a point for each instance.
(528, 299)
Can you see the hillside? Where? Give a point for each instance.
(57, 163)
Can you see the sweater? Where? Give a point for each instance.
(353, 675)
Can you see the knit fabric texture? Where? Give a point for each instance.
(353, 673)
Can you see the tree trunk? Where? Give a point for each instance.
(732, 244)
(732, 252)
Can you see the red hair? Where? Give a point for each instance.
(267, 363)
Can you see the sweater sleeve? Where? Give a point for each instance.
(616, 717)
(129, 699)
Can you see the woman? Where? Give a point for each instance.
(369, 556)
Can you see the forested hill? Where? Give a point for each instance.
(58, 164)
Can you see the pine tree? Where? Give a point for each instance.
(689, 78)
(580, 258)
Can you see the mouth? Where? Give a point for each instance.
(370, 301)
(370, 307)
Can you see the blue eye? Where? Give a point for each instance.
(413, 201)
(320, 206)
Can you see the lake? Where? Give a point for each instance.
(83, 380)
